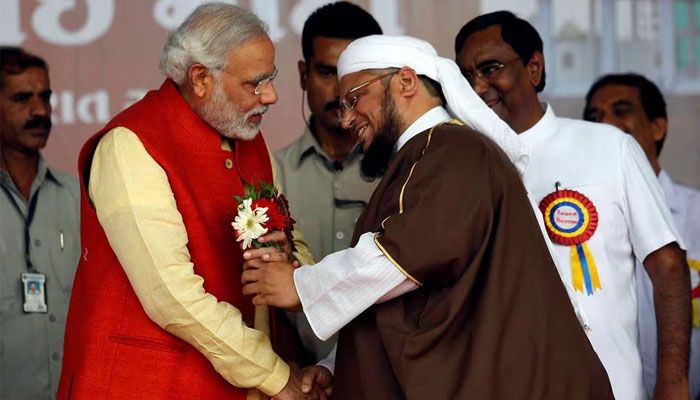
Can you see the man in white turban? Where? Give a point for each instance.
(449, 290)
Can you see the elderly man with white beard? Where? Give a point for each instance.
(157, 310)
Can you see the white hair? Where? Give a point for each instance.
(206, 37)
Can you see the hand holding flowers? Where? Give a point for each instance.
(264, 227)
(282, 252)
(263, 210)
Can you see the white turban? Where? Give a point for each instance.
(383, 51)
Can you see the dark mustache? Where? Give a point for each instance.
(333, 104)
(38, 122)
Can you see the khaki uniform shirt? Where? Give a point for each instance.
(31, 344)
(325, 199)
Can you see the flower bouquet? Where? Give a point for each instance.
(262, 209)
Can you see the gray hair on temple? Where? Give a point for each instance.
(206, 37)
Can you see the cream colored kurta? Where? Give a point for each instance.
(136, 207)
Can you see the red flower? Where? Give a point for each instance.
(284, 206)
(277, 219)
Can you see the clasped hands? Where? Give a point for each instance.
(268, 276)
(268, 273)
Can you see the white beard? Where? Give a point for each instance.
(227, 119)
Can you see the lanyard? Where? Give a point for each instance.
(27, 222)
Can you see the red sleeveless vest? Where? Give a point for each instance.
(112, 349)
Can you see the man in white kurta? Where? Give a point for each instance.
(610, 169)
(600, 200)
(636, 106)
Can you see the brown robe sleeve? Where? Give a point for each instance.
(447, 209)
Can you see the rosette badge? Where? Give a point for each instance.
(260, 211)
(571, 219)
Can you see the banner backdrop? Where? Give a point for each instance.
(103, 55)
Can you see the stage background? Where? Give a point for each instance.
(104, 55)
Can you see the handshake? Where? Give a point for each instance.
(268, 276)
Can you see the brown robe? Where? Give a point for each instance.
(492, 319)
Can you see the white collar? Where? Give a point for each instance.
(546, 125)
(666, 184)
(423, 123)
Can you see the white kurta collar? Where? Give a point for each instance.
(544, 127)
(423, 123)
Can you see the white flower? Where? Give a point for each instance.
(248, 223)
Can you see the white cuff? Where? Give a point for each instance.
(329, 362)
(344, 284)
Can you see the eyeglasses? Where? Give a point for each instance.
(259, 84)
(487, 72)
(262, 83)
(349, 100)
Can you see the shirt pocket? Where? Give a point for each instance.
(602, 198)
(64, 243)
(162, 362)
(610, 238)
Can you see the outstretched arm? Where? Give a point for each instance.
(333, 291)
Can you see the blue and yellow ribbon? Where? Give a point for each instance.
(583, 270)
(571, 219)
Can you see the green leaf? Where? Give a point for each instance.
(266, 189)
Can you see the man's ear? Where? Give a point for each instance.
(200, 79)
(303, 74)
(535, 67)
(659, 126)
(408, 82)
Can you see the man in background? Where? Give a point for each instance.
(320, 171)
(39, 237)
(602, 206)
(635, 105)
